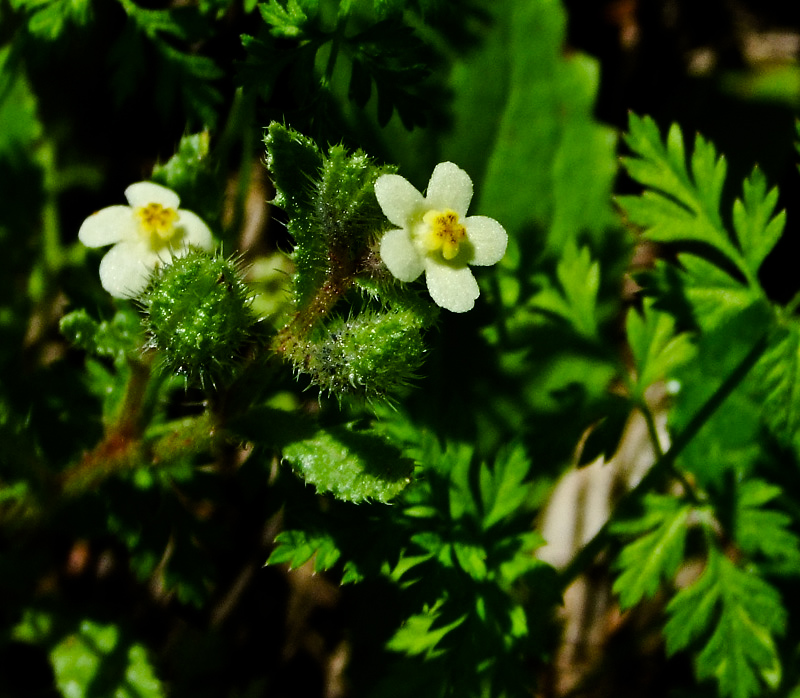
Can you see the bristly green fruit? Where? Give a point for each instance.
(197, 313)
(371, 354)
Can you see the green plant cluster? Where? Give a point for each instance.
(285, 400)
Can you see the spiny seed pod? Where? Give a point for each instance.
(372, 354)
(197, 313)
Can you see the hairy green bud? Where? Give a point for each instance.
(197, 313)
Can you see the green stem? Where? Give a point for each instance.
(677, 473)
(664, 465)
(121, 447)
(51, 235)
(792, 306)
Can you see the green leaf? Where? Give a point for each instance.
(504, 487)
(191, 174)
(742, 613)
(421, 633)
(298, 547)
(285, 22)
(777, 384)
(575, 299)
(333, 212)
(729, 441)
(657, 349)
(535, 169)
(21, 125)
(680, 204)
(390, 54)
(353, 465)
(93, 659)
(294, 162)
(180, 71)
(49, 19)
(764, 532)
(118, 338)
(757, 229)
(657, 553)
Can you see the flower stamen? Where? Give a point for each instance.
(443, 232)
(157, 221)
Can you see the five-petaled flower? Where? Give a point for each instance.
(436, 236)
(148, 232)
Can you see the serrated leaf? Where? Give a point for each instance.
(657, 350)
(285, 22)
(293, 161)
(745, 613)
(575, 299)
(756, 228)
(778, 384)
(503, 488)
(655, 556)
(761, 531)
(681, 204)
(333, 212)
(352, 465)
(298, 547)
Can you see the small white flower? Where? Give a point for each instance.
(436, 236)
(149, 232)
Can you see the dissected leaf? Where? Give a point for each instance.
(777, 383)
(681, 204)
(505, 487)
(298, 547)
(761, 531)
(575, 298)
(653, 557)
(657, 348)
(756, 228)
(737, 616)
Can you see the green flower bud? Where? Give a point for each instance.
(197, 313)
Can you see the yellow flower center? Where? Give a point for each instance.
(157, 222)
(444, 232)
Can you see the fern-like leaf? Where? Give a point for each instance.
(658, 551)
(742, 613)
(681, 204)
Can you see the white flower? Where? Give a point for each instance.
(436, 236)
(149, 232)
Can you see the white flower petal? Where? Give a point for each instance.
(143, 193)
(107, 226)
(125, 269)
(400, 256)
(452, 288)
(488, 239)
(195, 231)
(398, 199)
(449, 187)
